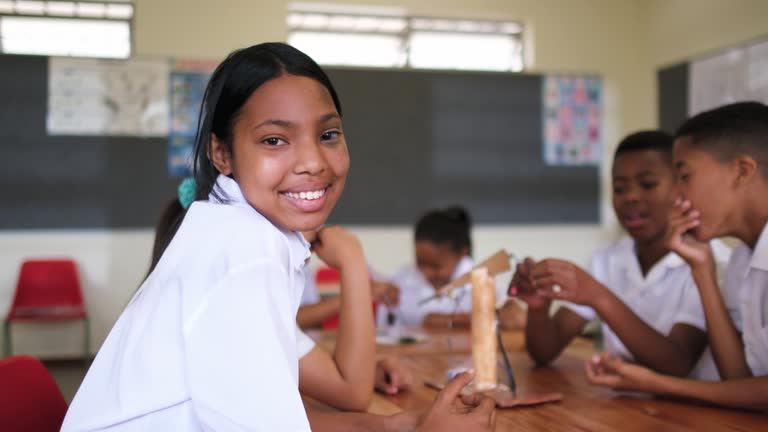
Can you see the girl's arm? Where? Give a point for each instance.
(674, 354)
(345, 379)
(613, 372)
(443, 321)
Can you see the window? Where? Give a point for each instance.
(66, 28)
(388, 38)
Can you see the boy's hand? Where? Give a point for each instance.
(337, 246)
(385, 292)
(563, 280)
(682, 219)
(391, 376)
(474, 413)
(607, 370)
(522, 286)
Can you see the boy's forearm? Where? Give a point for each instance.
(542, 338)
(745, 393)
(649, 347)
(724, 340)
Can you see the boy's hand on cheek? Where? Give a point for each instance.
(563, 280)
(337, 247)
(682, 219)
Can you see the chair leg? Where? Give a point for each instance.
(6, 338)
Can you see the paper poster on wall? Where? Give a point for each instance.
(739, 74)
(572, 120)
(107, 97)
(187, 81)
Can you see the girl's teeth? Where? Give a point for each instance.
(311, 195)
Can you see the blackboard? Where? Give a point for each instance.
(418, 139)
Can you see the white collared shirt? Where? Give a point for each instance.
(209, 340)
(746, 296)
(666, 296)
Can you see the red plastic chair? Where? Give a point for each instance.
(330, 275)
(48, 290)
(30, 400)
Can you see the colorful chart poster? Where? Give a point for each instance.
(107, 97)
(572, 120)
(187, 82)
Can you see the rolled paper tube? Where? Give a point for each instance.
(484, 329)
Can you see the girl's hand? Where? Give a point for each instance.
(337, 247)
(607, 370)
(682, 219)
(474, 413)
(563, 280)
(385, 292)
(391, 376)
(522, 286)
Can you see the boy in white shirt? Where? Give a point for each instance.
(721, 158)
(643, 292)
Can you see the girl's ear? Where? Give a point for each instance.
(220, 156)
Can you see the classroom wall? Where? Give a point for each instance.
(608, 37)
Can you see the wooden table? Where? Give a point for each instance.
(584, 407)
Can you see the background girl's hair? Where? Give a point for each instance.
(230, 86)
(449, 226)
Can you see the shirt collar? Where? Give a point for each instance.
(760, 253)
(229, 192)
(628, 260)
(226, 191)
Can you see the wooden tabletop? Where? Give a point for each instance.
(583, 408)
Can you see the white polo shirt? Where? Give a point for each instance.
(209, 341)
(667, 295)
(746, 288)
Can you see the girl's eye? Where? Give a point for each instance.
(648, 185)
(273, 141)
(618, 190)
(330, 135)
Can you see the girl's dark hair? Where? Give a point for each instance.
(449, 226)
(166, 228)
(230, 86)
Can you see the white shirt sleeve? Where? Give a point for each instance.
(309, 295)
(242, 363)
(304, 343)
(690, 310)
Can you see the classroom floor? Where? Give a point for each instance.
(68, 375)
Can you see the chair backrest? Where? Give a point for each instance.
(48, 283)
(327, 275)
(30, 400)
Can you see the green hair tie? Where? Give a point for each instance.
(187, 190)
